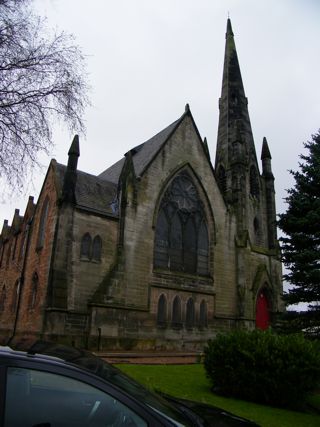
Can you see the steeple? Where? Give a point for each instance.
(235, 143)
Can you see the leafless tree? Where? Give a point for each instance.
(42, 81)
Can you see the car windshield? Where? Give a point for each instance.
(114, 376)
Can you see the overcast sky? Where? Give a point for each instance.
(147, 58)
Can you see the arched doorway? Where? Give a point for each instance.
(262, 311)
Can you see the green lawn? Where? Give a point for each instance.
(190, 382)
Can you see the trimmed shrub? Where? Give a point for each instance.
(263, 367)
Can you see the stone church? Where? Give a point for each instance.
(162, 250)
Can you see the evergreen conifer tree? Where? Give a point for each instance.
(301, 242)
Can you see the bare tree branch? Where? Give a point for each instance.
(42, 81)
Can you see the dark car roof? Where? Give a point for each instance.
(60, 354)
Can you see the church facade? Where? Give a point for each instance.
(162, 250)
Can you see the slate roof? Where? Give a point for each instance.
(142, 154)
(93, 193)
(99, 193)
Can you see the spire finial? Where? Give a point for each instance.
(74, 154)
(187, 108)
(265, 152)
(229, 27)
(74, 147)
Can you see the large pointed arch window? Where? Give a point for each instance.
(181, 235)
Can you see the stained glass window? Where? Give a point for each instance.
(181, 235)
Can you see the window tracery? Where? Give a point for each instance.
(181, 235)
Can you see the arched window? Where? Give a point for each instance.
(190, 314)
(42, 223)
(254, 182)
(3, 298)
(85, 249)
(15, 296)
(203, 317)
(162, 311)
(96, 248)
(176, 312)
(181, 234)
(222, 179)
(34, 291)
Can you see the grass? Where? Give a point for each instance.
(190, 382)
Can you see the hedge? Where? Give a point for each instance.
(263, 367)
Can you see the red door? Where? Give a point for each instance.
(262, 311)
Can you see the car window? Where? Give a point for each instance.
(41, 399)
(127, 384)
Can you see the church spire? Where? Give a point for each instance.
(235, 144)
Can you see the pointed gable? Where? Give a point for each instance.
(142, 154)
